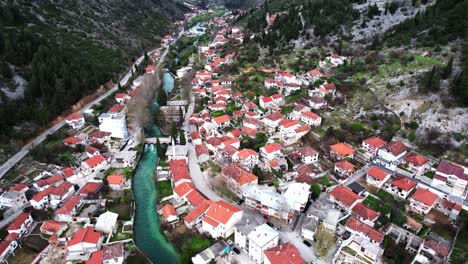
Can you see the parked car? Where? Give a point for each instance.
(307, 243)
(236, 250)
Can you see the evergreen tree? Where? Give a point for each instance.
(182, 140)
(159, 148)
(146, 56)
(448, 69)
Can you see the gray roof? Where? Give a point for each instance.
(250, 220)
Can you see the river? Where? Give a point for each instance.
(148, 236)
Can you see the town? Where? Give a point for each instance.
(244, 174)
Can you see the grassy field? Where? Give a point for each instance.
(164, 188)
(23, 255)
(372, 202)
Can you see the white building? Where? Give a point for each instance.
(220, 219)
(114, 121)
(13, 199)
(453, 178)
(297, 195)
(84, 242)
(75, 120)
(262, 238)
(107, 222)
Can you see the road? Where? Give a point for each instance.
(27, 148)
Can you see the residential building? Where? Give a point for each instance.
(391, 154)
(53, 227)
(195, 216)
(271, 151)
(116, 182)
(434, 249)
(400, 187)
(93, 164)
(308, 155)
(268, 202)
(220, 219)
(365, 214)
(263, 237)
(243, 228)
(6, 249)
(114, 121)
(107, 223)
(297, 195)
(453, 178)
(341, 151)
(84, 242)
(344, 197)
(237, 177)
(416, 163)
(91, 190)
(311, 118)
(69, 209)
(41, 200)
(21, 225)
(373, 144)
(320, 213)
(344, 168)
(377, 176)
(75, 120)
(285, 253)
(364, 251)
(422, 201)
(13, 199)
(209, 255)
(169, 214)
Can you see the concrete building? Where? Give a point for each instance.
(263, 237)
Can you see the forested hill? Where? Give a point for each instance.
(56, 51)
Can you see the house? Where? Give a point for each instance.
(422, 201)
(115, 121)
(238, 177)
(365, 214)
(314, 75)
(116, 182)
(91, 151)
(344, 197)
(268, 202)
(453, 178)
(121, 98)
(271, 121)
(178, 172)
(288, 128)
(75, 120)
(417, 163)
(285, 253)
(251, 123)
(149, 69)
(202, 152)
(365, 251)
(91, 190)
(451, 209)
(308, 155)
(272, 83)
(298, 110)
(69, 209)
(196, 138)
(317, 102)
(297, 195)
(195, 216)
(262, 238)
(286, 77)
(328, 88)
(182, 190)
(311, 118)
(84, 242)
(320, 213)
(113, 253)
(220, 219)
(434, 249)
(209, 255)
(13, 199)
(271, 151)
(93, 164)
(177, 152)
(391, 154)
(169, 214)
(373, 144)
(247, 158)
(344, 168)
(107, 223)
(243, 228)
(21, 225)
(7, 248)
(53, 227)
(41, 200)
(400, 187)
(61, 193)
(271, 101)
(341, 151)
(73, 141)
(355, 226)
(222, 121)
(43, 184)
(377, 176)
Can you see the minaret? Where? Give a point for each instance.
(173, 148)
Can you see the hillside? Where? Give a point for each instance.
(52, 53)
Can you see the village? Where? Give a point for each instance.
(241, 175)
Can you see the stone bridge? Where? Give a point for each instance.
(162, 140)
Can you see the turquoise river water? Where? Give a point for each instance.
(148, 236)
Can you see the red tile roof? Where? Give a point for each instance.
(377, 173)
(68, 172)
(116, 179)
(96, 258)
(19, 221)
(95, 160)
(284, 254)
(38, 197)
(168, 210)
(307, 151)
(18, 187)
(201, 149)
(395, 147)
(239, 174)
(112, 251)
(315, 72)
(195, 198)
(270, 148)
(440, 248)
(116, 108)
(415, 159)
(91, 188)
(85, 235)
(342, 150)
(344, 195)
(311, 115)
(74, 116)
(72, 140)
(221, 212)
(68, 205)
(222, 119)
(184, 188)
(345, 165)
(246, 153)
(403, 183)
(52, 226)
(425, 196)
(4, 245)
(49, 181)
(249, 131)
(365, 212)
(62, 189)
(198, 211)
(375, 142)
(354, 224)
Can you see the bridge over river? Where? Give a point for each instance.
(162, 140)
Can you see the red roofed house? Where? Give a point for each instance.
(286, 253)
(344, 197)
(372, 144)
(169, 214)
(271, 151)
(328, 88)
(120, 98)
(21, 224)
(195, 198)
(75, 120)
(69, 209)
(6, 249)
(272, 121)
(116, 182)
(93, 164)
(417, 163)
(179, 173)
(308, 154)
(377, 176)
(400, 187)
(314, 75)
(344, 168)
(342, 150)
(202, 152)
(61, 193)
(355, 226)
(220, 219)
(311, 118)
(422, 201)
(91, 190)
(91, 151)
(43, 184)
(73, 141)
(452, 177)
(247, 158)
(149, 69)
(433, 250)
(41, 200)
(84, 242)
(196, 138)
(182, 190)
(237, 177)
(222, 121)
(195, 216)
(391, 154)
(365, 214)
(53, 227)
